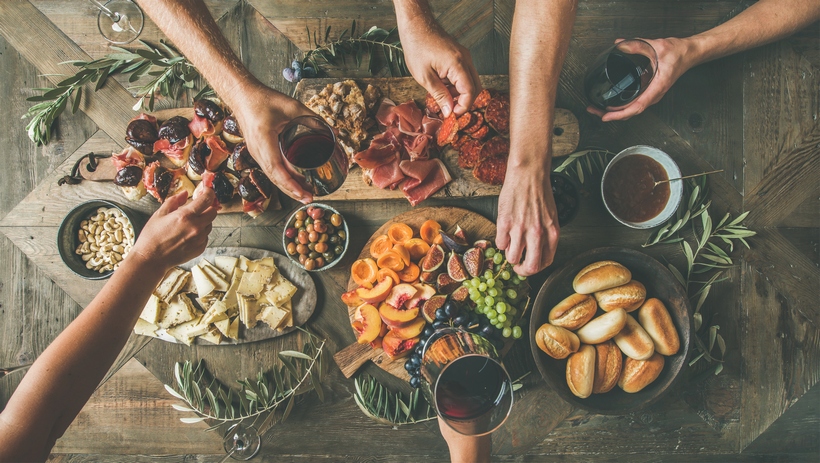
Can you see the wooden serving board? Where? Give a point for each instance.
(475, 226)
(565, 139)
(304, 301)
(106, 171)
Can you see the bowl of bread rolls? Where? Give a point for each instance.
(611, 330)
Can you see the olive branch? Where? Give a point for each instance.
(585, 163)
(377, 42)
(258, 399)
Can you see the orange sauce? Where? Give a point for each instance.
(630, 189)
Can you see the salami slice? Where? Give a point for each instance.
(465, 120)
(494, 147)
(468, 154)
(482, 99)
(448, 131)
(475, 123)
(481, 133)
(497, 114)
(492, 169)
(460, 141)
(432, 105)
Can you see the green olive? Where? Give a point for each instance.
(323, 238)
(334, 239)
(313, 255)
(300, 215)
(331, 229)
(311, 246)
(298, 224)
(308, 221)
(329, 256)
(336, 220)
(342, 235)
(320, 262)
(339, 250)
(291, 248)
(310, 264)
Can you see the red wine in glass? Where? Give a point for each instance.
(619, 75)
(313, 155)
(470, 387)
(310, 151)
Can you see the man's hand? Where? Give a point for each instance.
(674, 59)
(527, 220)
(262, 114)
(178, 232)
(436, 60)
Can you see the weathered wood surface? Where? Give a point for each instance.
(752, 115)
(565, 139)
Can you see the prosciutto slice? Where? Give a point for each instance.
(128, 157)
(388, 175)
(201, 126)
(219, 153)
(176, 151)
(424, 178)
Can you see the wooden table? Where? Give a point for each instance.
(753, 115)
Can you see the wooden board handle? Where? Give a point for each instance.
(352, 357)
(104, 172)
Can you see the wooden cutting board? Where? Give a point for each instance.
(565, 139)
(475, 226)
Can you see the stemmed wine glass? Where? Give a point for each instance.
(620, 74)
(119, 21)
(241, 442)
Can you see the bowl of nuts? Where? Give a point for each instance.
(316, 237)
(96, 236)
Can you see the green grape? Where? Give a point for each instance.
(492, 321)
(499, 285)
(474, 292)
(478, 309)
(475, 282)
(482, 287)
(490, 282)
(489, 253)
(489, 301)
(506, 332)
(500, 307)
(486, 308)
(488, 274)
(522, 278)
(501, 317)
(512, 311)
(466, 284)
(512, 294)
(475, 297)
(505, 275)
(515, 280)
(492, 292)
(492, 313)
(499, 325)
(516, 332)
(498, 258)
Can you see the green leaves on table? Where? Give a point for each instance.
(392, 409)
(170, 74)
(694, 204)
(258, 400)
(585, 164)
(382, 46)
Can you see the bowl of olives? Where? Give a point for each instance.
(316, 237)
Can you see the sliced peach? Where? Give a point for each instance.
(424, 292)
(403, 253)
(351, 299)
(418, 248)
(376, 294)
(386, 272)
(396, 347)
(410, 330)
(410, 274)
(367, 323)
(400, 294)
(377, 343)
(392, 316)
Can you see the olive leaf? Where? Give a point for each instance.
(383, 46)
(696, 205)
(385, 407)
(585, 164)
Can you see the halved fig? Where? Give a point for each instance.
(241, 159)
(223, 187)
(198, 157)
(162, 182)
(428, 277)
(128, 176)
(455, 268)
(474, 261)
(141, 134)
(255, 185)
(428, 310)
(483, 244)
(209, 110)
(174, 129)
(460, 233)
(461, 294)
(231, 126)
(433, 260)
(454, 243)
(445, 284)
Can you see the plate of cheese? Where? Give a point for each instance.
(229, 295)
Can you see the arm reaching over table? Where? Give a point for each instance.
(435, 59)
(65, 375)
(764, 22)
(466, 449)
(527, 218)
(262, 112)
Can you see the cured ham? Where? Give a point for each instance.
(423, 179)
(176, 152)
(219, 153)
(201, 126)
(130, 156)
(388, 175)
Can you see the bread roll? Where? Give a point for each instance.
(608, 364)
(555, 341)
(634, 341)
(600, 276)
(581, 371)
(637, 374)
(574, 311)
(628, 297)
(657, 322)
(602, 328)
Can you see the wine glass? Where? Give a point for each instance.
(119, 21)
(241, 442)
(313, 155)
(620, 74)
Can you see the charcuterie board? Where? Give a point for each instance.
(565, 139)
(475, 226)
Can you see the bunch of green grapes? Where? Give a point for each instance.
(499, 294)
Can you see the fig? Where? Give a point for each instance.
(428, 310)
(445, 284)
(223, 188)
(231, 126)
(174, 129)
(141, 134)
(483, 244)
(128, 176)
(455, 268)
(262, 182)
(428, 278)
(209, 110)
(461, 294)
(162, 182)
(241, 159)
(198, 157)
(474, 261)
(460, 233)
(248, 191)
(433, 260)
(454, 243)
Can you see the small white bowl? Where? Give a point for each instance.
(675, 186)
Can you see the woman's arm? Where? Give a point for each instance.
(65, 375)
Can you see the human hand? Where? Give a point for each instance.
(675, 57)
(177, 232)
(262, 113)
(527, 220)
(468, 449)
(436, 60)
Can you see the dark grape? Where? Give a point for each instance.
(295, 64)
(428, 331)
(415, 360)
(461, 320)
(473, 319)
(409, 366)
(421, 344)
(441, 314)
(488, 331)
(419, 348)
(415, 382)
(450, 309)
(439, 324)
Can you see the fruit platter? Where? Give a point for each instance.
(423, 270)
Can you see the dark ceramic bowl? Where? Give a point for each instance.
(567, 193)
(68, 239)
(295, 259)
(660, 283)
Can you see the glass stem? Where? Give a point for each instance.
(104, 9)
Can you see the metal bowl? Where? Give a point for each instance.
(68, 239)
(338, 258)
(660, 283)
(675, 187)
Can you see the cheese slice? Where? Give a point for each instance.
(253, 265)
(226, 264)
(216, 277)
(204, 263)
(170, 282)
(181, 283)
(273, 316)
(267, 272)
(186, 332)
(220, 317)
(248, 310)
(145, 328)
(230, 295)
(243, 263)
(282, 292)
(179, 311)
(213, 336)
(204, 285)
(152, 310)
(217, 308)
(223, 325)
(288, 321)
(233, 330)
(252, 284)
